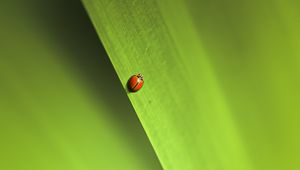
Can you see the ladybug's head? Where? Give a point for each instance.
(140, 76)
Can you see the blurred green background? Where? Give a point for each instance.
(61, 103)
(254, 48)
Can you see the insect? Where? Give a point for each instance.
(135, 83)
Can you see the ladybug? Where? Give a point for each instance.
(135, 83)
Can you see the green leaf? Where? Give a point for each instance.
(221, 78)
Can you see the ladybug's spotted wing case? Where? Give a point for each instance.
(135, 83)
